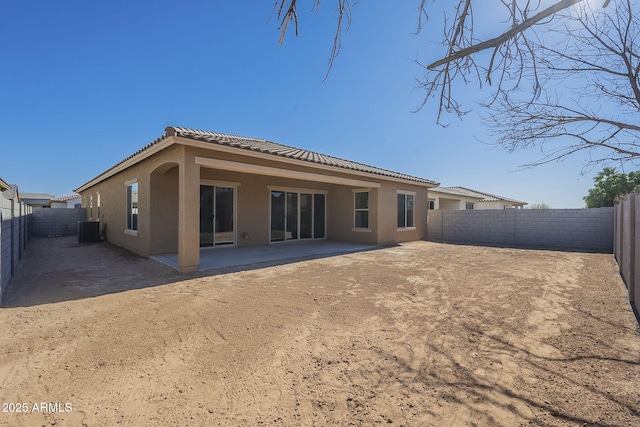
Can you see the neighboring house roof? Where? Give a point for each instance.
(266, 147)
(37, 196)
(66, 198)
(11, 193)
(3, 185)
(479, 195)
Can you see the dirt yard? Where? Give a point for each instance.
(421, 334)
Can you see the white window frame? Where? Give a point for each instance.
(366, 229)
(429, 204)
(467, 204)
(129, 209)
(406, 217)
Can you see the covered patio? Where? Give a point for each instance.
(223, 257)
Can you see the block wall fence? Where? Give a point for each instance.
(47, 222)
(14, 233)
(626, 247)
(579, 229)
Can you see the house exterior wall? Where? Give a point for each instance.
(492, 205)
(449, 204)
(388, 208)
(169, 197)
(113, 209)
(69, 204)
(460, 203)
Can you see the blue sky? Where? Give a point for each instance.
(85, 84)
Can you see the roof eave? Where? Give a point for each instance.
(170, 137)
(260, 155)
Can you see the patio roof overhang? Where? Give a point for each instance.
(281, 173)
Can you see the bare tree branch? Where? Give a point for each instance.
(507, 35)
(564, 79)
(288, 13)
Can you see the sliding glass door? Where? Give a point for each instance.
(297, 216)
(216, 216)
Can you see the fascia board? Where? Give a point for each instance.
(272, 157)
(128, 163)
(281, 173)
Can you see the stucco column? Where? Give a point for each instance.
(188, 212)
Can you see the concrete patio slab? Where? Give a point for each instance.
(223, 257)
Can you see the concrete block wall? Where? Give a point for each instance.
(46, 222)
(14, 228)
(5, 242)
(627, 246)
(587, 229)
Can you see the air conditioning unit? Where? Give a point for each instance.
(88, 231)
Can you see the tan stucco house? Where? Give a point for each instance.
(192, 190)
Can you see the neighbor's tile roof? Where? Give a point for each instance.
(273, 148)
(66, 198)
(481, 196)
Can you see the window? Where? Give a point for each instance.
(132, 206)
(98, 204)
(90, 206)
(432, 204)
(297, 214)
(405, 210)
(361, 202)
(469, 206)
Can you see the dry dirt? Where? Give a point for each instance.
(421, 334)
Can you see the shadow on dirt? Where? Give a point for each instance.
(59, 269)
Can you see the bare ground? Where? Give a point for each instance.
(421, 334)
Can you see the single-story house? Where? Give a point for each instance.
(66, 202)
(37, 200)
(461, 198)
(190, 190)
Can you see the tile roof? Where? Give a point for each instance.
(481, 196)
(260, 146)
(66, 198)
(273, 148)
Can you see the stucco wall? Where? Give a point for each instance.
(589, 229)
(159, 195)
(113, 207)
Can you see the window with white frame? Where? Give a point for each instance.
(361, 209)
(98, 204)
(90, 206)
(132, 206)
(432, 204)
(469, 206)
(406, 211)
